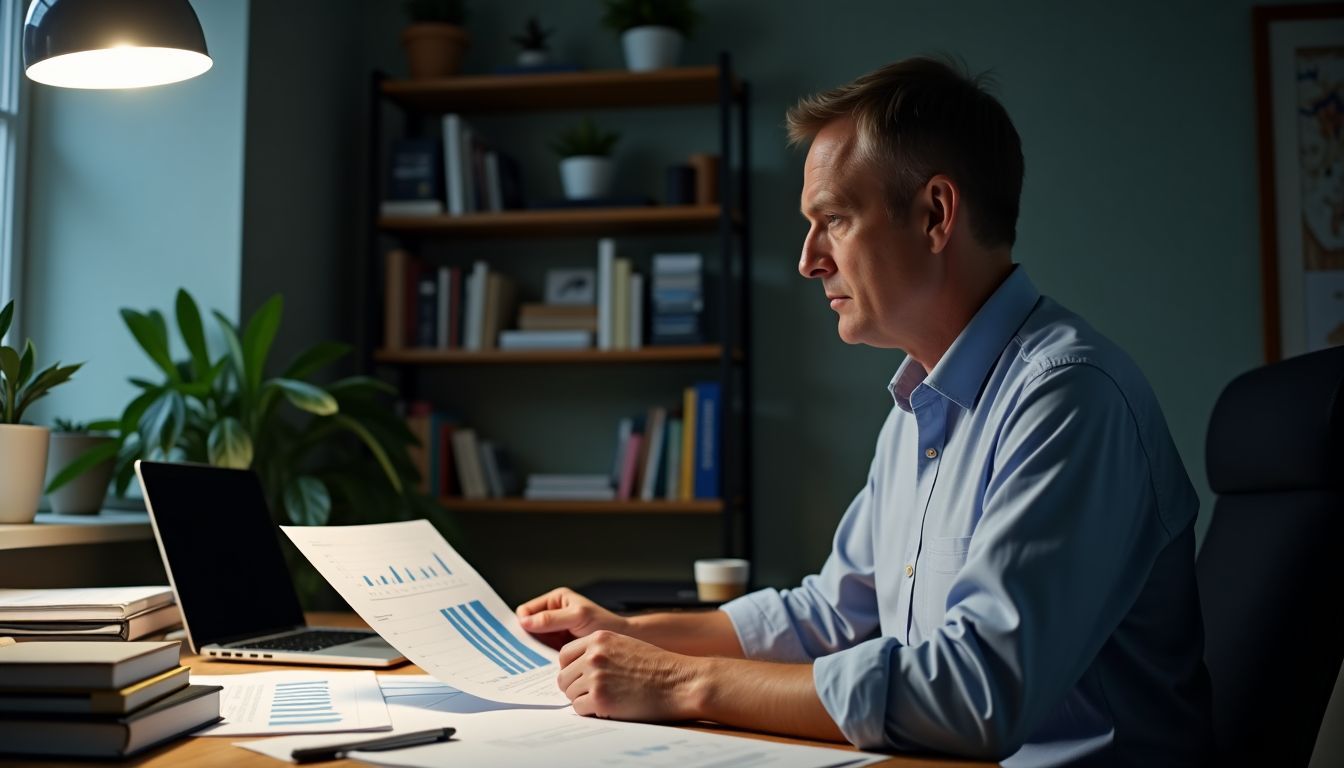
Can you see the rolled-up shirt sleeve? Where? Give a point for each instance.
(830, 610)
(1068, 535)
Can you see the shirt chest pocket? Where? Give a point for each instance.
(940, 560)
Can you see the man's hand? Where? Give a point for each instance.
(562, 615)
(611, 675)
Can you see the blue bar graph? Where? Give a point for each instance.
(489, 636)
(303, 703)
(402, 574)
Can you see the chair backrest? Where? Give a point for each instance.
(1269, 571)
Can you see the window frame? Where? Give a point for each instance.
(13, 154)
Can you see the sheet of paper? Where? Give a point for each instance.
(430, 604)
(415, 702)
(262, 703)
(531, 738)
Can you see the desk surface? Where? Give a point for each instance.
(219, 752)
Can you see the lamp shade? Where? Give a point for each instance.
(113, 43)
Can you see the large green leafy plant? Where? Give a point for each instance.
(333, 453)
(20, 383)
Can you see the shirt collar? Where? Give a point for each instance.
(961, 372)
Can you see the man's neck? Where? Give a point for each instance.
(963, 296)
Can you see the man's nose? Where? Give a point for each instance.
(815, 261)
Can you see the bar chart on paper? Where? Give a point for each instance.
(298, 702)
(416, 591)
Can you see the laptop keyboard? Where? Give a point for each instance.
(308, 640)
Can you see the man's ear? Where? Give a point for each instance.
(944, 205)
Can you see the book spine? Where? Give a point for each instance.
(492, 187)
(452, 163)
(636, 311)
(455, 309)
(606, 256)
(620, 305)
(672, 481)
(475, 310)
(657, 421)
(394, 277)
(427, 310)
(709, 421)
(445, 307)
(689, 433)
(629, 466)
(623, 430)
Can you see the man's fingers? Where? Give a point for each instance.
(555, 620)
(553, 599)
(567, 677)
(573, 650)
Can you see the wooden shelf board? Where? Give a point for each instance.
(50, 530)
(698, 507)
(561, 221)
(559, 90)
(705, 353)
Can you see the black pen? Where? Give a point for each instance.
(335, 751)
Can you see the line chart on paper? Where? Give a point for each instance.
(416, 591)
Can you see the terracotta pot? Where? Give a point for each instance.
(23, 465)
(434, 49)
(83, 495)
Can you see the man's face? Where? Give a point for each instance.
(877, 272)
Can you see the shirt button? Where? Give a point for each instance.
(909, 570)
(932, 453)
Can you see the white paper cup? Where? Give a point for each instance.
(721, 579)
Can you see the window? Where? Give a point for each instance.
(11, 137)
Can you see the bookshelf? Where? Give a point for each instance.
(725, 225)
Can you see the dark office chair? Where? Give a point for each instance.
(1270, 579)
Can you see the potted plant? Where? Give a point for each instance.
(435, 40)
(585, 160)
(532, 44)
(652, 31)
(335, 453)
(79, 466)
(23, 447)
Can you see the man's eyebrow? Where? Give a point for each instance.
(825, 199)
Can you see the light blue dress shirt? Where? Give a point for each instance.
(1016, 578)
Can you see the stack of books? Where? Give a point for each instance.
(670, 454)
(429, 307)
(569, 488)
(552, 326)
(97, 613)
(484, 470)
(678, 299)
(106, 700)
(479, 178)
(620, 300)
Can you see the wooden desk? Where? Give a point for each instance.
(219, 752)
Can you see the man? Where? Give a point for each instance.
(1016, 577)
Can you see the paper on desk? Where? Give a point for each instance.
(430, 604)
(297, 702)
(557, 737)
(415, 703)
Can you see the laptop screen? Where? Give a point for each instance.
(221, 549)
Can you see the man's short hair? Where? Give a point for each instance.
(921, 117)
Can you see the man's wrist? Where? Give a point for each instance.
(701, 686)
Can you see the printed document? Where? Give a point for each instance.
(263, 703)
(430, 604)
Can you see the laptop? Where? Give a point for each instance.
(222, 554)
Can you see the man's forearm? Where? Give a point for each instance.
(762, 696)
(700, 633)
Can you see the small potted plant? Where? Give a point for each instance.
(652, 31)
(585, 160)
(79, 466)
(23, 447)
(532, 44)
(435, 40)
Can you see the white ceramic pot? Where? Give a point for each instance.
(649, 48)
(83, 495)
(585, 176)
(23, 466)
(530, 57)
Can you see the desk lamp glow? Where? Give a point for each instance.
(113, 43)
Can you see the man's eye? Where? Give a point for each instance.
(832, 219)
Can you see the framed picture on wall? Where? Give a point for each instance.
(1299, 85)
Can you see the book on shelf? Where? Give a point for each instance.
(568, 481)
(629, 465)
(410, 208)
(93, 701)
(48, 665)
(478, 178)
(415, 181)
(708, 439)
(620, 304)
(624, 428)
(672, 471)
(636, 339)
(490, 468)
(653, 453)
(81, 604)
(467, 455)
(146, 623)
(427, 309)
(557, 317)
(394, 299)
(111, 736)
(432, 454)
(473, 306)
(545, 339)
(606, 264)
(449, 306)
(500, 298)
(686, 485)
(569, 494)
(677, 298)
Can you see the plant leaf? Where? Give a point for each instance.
(26, 362)
(306, 397)
(6, 317)
(307, 501)
(103, 451)
(257, 338)
(374, 447)
(162, 423)
(234, 343)
(193, 333)
(152, 337)
(10, 365)
(313, 360)
(51, 377)
(354, 385)
(130, 418)
(229, 444)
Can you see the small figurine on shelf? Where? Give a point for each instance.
(585, 160)
(436, 39)
(532, 42)
(652, 31)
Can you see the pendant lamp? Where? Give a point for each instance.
(113, 43)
